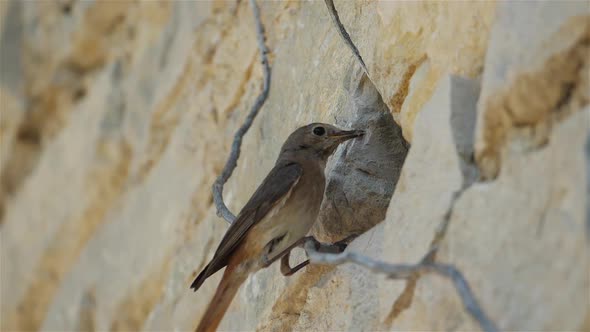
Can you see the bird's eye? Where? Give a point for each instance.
(319, 131)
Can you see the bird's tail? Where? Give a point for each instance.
(227, 289)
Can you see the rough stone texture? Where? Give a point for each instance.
(117, 116)
(537, 74)
(363, 174)
(588, 185)
(435, 169)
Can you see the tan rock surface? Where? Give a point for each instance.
(117, 116)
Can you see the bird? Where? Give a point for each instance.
(276, 218)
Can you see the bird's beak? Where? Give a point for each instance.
(343, 135)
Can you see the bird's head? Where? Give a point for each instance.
(318, 139)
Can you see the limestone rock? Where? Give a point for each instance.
(436, 168)
(362, 174)
(116, 117)
(536, 73)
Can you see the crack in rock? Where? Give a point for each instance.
(357, 200)
(455, 101)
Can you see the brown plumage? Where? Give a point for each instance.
(278, 215)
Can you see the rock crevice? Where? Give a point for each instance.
(117, 118)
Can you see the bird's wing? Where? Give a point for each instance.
(277, 184)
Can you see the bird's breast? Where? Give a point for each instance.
(293, 217)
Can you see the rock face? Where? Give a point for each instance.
(116, 117)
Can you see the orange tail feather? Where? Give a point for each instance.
(227, 289)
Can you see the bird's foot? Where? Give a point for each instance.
(342, 244)
(330, 248)
(287, 270)
(265, 261)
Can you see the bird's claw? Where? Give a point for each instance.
(343, 244)
(265, 260)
